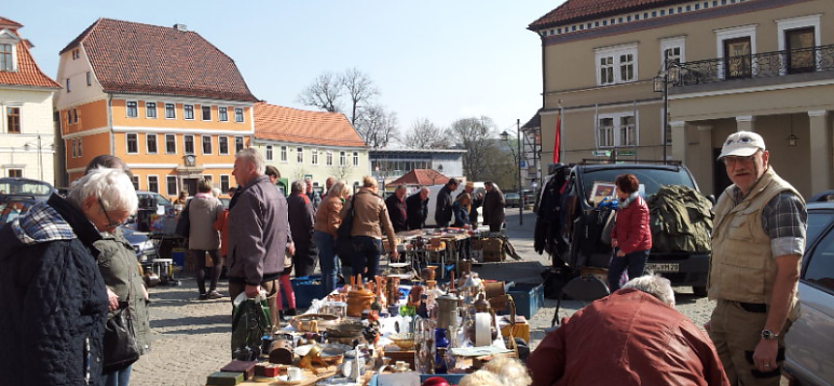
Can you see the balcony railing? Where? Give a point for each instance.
(763, 65)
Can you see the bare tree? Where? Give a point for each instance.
(340, 172)
(324, 93)
(359, 89)
(426, 135)
(476, 136)
(377, 126)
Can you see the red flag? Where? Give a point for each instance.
(557, 138)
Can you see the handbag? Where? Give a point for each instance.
(184, 223)
(344, 247)
(120, 347)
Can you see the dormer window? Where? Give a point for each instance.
(6, 58)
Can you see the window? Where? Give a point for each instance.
(342, 158)
(616, 64)
(224, 183)
(299, 155)
(356, 158)
(800, 49)
(269, 152)
(223, 144)
(617, 130)
(283, 154)
(206, 144)
(170, 111)
(170, 144)
(209, 179)
(76, 54)
(150, 110)
(171, 185)
(314, 156)
(6, 61)
(89, 78)
(69, 90)
(80, 152)
(188, 144)
(820, 270)
(16, 173)
(132, 109)
(135, 180)
(74, 115)
(238, 114)
(328, 158)
(132, 143)
(74, 151)
(13, 118)
(238, 144)
(188, 111)
(69, 117)
(206, 112)
(223, 114)
(153, 184)
(737, 58)
(150, 142)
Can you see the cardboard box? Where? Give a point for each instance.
(492, 245)
(493, 256)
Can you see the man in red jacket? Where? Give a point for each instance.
(631, 337)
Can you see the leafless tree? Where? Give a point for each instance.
(477, 137)
(426, 135)
(324, 93)
(359, 89)
(377, 126)
(340, 172)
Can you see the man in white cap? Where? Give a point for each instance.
(757, 244)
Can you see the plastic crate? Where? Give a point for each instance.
(178, 255)
(453, 379)
(306, 288)
(528, 298)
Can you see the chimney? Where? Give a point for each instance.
(181, 27)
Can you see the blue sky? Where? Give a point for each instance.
(440, 60)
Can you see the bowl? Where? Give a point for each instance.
(313, 322)
(403, 340)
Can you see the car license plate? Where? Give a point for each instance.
(663, 267)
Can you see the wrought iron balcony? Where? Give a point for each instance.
(763, 65)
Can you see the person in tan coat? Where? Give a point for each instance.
(369, 218)
(324, 235)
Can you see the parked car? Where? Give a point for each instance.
(144, 247)
(584, 223)
(17, 186)
(162, 203)
(511, 200)
(808, 355)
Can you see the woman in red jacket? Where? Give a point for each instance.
(631, 237)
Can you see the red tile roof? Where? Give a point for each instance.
(28, 73)
(130, 57)
(420, 177)
(580, 10)
(287, 124)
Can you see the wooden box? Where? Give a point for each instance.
(247, 368)
(493, 256)
(224, 379)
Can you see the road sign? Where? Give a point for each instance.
(601, 153)
(626, 153)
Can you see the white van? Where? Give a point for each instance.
(435, 189)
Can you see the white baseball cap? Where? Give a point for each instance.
(742, 144)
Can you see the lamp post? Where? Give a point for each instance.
(40, 155)
(517, 156)
(661, 84)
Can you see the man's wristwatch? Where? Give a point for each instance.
(769, 335)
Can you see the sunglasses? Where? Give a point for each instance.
(110, 223)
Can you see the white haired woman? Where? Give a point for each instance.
(53, 298)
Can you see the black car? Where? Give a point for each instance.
(585, 221)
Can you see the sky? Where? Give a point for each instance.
(435, 60)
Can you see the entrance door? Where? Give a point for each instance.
(737, 59)
(720, 179)
(800, 47)
(190, 185)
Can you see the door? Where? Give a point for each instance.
(190, 185)
(720, 179)
(737, 58)
(800, 50)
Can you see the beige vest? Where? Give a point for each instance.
(742, 267)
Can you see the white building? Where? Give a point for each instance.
(27, 132)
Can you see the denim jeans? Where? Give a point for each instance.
(366, 253)
(327, 257)
(634, 262)
(118, 378)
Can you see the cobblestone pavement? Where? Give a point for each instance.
(192, 337)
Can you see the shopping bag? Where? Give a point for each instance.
(250, 322)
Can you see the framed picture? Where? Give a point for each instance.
(602, 190)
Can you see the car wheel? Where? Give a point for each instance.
(700, 291)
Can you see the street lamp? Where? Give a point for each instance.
(40, 147)
(505, 136)
(670, 71)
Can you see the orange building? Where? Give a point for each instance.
(165, 100)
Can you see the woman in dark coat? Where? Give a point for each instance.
(493, 207)
(631, 236)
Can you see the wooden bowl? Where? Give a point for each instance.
(403, 340)
(311, 322)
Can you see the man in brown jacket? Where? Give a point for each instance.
(493, 207)
(369, 217)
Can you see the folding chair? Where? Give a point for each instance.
(583, 288)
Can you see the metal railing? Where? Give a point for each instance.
(763, 65)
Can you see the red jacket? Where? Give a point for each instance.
(631, 229)
(627, 338)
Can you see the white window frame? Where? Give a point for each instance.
(13, 44)
(299, 155)
(127, 109)
(242, 143)
(127, 143)
(89, 78)
(328, 158)
(155, 111)
(616, 119)
(135, 181)
(174, 109)
(228, 183)
(203, 143)
(356, 159)
(74, 152)
(615, 52)
(242, 118)
(222, 111)
(220, 148)
(671, 43)
(175, 143)
(185, 113)
(268, 152)
(342, 158)
(203, 115)
(730, 33)
(147, 143)
(314, 156)
(784, 25)
(148, 180)
(284, 155)
(168, 186)
(185, 147)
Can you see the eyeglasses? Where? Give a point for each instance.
(110, 223)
